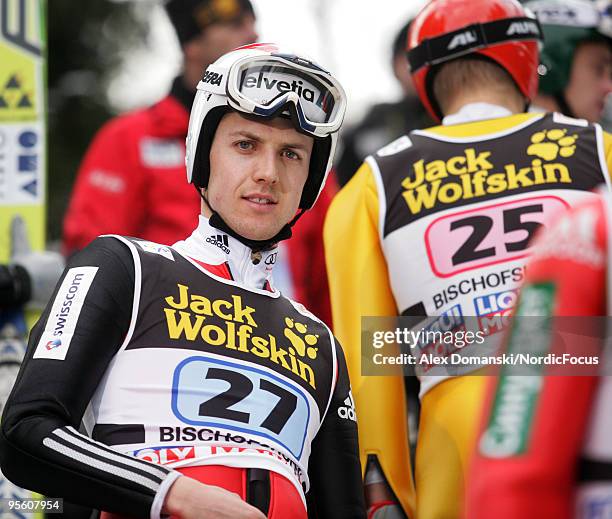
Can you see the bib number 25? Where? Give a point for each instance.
(487, 235)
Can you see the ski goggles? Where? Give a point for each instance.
(267, 85)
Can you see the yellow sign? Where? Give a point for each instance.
(17, 87)
(21, 55)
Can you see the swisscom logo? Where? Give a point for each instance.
(64, 314)
(53, 344)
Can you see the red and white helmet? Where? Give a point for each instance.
(500, 30)
(264, 81)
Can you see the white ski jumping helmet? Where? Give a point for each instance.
(264, 81)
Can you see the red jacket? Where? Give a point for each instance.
(132, 182)
(559, 440)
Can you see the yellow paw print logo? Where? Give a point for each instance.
(548, 145)
(304, 345)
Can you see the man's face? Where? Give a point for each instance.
(257, 174)
(220, 38)
(590, 80)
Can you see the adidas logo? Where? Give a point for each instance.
(348, 410)
(221, 241)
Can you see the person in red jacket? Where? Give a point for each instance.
(130, 181)
(545, 450)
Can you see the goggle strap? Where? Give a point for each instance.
(222, 81)
(433, 51)
(273, 109)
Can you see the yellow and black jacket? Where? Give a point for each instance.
(437, 223)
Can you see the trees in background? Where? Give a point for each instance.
(86, 44)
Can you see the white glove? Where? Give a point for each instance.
(43, 267)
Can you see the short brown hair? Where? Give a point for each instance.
(470, 73)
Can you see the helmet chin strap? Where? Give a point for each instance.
(255, 245)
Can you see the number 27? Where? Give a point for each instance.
(241, 387)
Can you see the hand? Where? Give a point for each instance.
(190, 499)
(44, 267)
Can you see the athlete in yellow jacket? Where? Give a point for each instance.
(437, 225)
